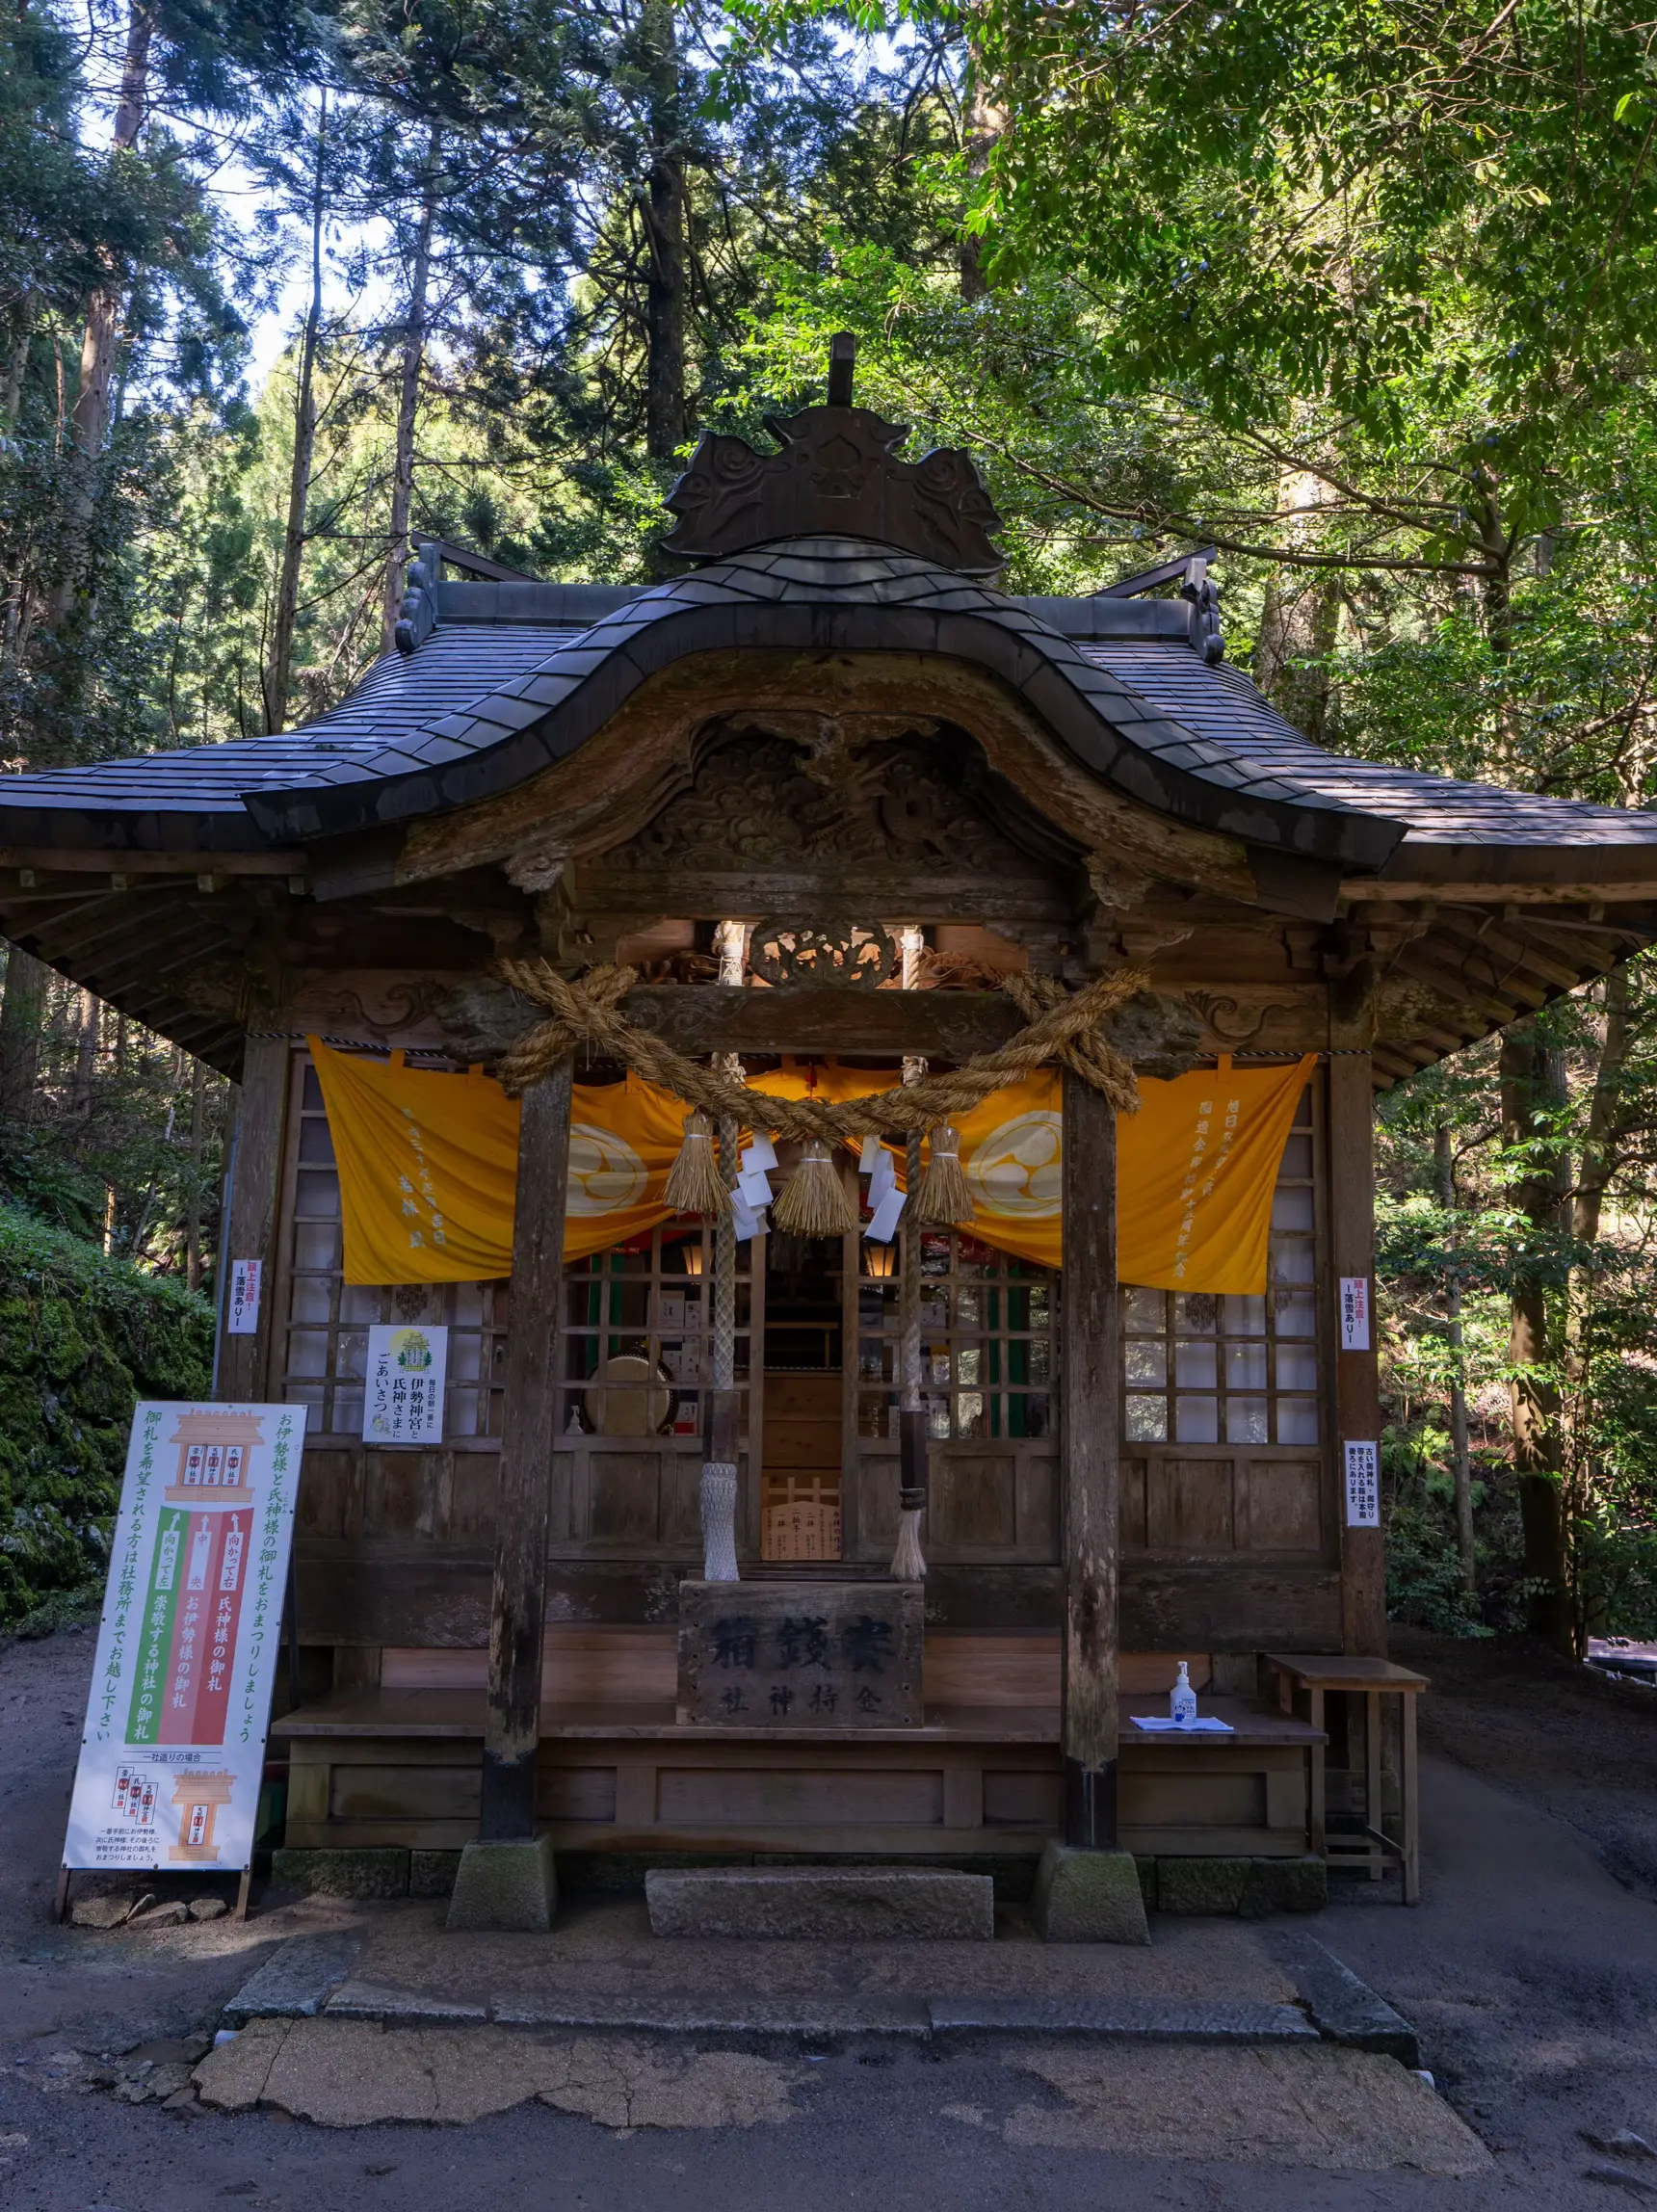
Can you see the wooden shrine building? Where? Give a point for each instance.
(825, 792)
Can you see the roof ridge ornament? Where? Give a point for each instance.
(838, 475)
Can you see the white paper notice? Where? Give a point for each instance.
(884, 1227)
(1355, 1313)
(174, 1747)
(1364, 1485)
(242, 1318)
(403, 1401)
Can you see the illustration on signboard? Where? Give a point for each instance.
(174, 1749)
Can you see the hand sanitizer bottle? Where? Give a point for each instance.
(1182, 1698)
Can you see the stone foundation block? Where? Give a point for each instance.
(1192, 1885)
(1251, 1887)
(822, 1903)
(377, 1870)
(1089, 1897)
(1285, 1886)
(432, 1873)
(505, 1885)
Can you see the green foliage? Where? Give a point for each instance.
(82, 1338)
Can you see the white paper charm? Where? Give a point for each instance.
(884, 1227)
(760, 1152)
(1364, 1485)
(242, 1317)
(754, 1184)
(1355, 1313)
(403, 1401)
(747, 1222)
(870, 1157)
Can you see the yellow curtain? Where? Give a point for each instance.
(428, 1167)
(1196, 1167)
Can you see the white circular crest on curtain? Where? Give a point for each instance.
(606, 1176)
(1015, 1170)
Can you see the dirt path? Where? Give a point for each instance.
(1531, 1969)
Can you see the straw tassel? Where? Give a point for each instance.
(694, 1184)
(944, 1199)
(813, 1201)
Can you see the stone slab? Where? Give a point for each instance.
(1089, 1897)
(506, 1885)
(800, 1655)
(1220, 2022)
(822, 1903)
(370, 2001)
(295, 1981)
(1252, 1887)
(432, 1873)
(804, 2016)
(375, 1870)
(1344, 2009)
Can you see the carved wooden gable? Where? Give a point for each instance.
(886, 802)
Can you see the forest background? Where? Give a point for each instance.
(1358, 292)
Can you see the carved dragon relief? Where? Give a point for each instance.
(767, 801)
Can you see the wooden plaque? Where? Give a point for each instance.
(800, 1654)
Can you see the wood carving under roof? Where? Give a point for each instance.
(838, 475)
(757, 802)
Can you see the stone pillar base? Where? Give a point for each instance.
(1089, 1897)
(505, 1885)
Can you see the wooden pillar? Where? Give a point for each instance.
(518, 1601)
(1089, 1400)
(1357, 1379)
(243, 1369)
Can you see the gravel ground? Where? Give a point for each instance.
(1530, 1967)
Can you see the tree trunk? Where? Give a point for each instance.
(90, 418)
(1599, 1160)
(1461, 1452)
(409, 396)
(664, 411)
(984, 121)
(22, 1014)
(1533, 1392)
(281, 662)
(1299, 623)
(193, 1205)
(87, 1010)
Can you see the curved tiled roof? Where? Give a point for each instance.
(484, 704)
(824, 595)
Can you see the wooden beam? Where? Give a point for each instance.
(1089, 1408)
(50, 861)
(517, 1604)
(241, 1370)
(1160, 1034)
(1357, 1376)
(1454, 891)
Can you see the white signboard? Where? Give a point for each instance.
(174, 1747)
(403, 1403)
(242, 1318)
(1364, 1485)
(1355, 1313)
